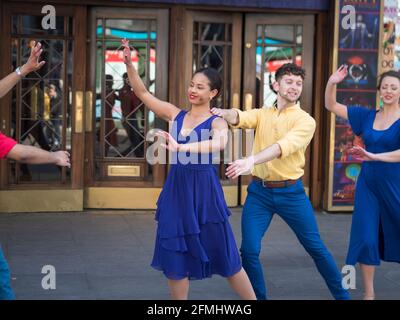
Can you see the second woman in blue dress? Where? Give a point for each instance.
(375, 230)
(194, 238)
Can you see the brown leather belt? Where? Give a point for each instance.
(274, 184)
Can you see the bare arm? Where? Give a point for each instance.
(7, 83)
(358, 152)
(330, 93)
(33, 155)
(217, 143)
(163, 109)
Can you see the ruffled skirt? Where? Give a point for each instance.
(194, 238)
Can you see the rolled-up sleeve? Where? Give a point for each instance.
(298, 137)
(247, 119)
(6, 144)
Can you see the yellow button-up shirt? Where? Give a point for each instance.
(292, 128)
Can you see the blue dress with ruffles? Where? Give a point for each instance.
(194, 239)
(375, 229)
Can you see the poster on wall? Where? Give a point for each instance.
(389, 56)
(357, 44)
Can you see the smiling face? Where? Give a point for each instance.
(289, 87)
(199, 91)
(390, 90)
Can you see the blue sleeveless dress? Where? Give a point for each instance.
(375, 230)
(194, 238)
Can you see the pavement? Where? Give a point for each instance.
(106, 254)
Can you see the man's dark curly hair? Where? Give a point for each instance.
(289, 68)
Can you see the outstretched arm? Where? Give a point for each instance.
(32, 64)
(163, 109)
(244, 166)
(217, 143)
(32, 155)
(362, 154)
(296, 139)
(330, 96)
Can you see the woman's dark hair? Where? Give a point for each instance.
(390, 73)
(213, 77)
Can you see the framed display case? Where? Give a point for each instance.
(357, 44)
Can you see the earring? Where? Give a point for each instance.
(380, 103)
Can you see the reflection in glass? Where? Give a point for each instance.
(121, 118)
(212, 56)
(212, 47)
(43, 108)
(299, 35)
(274, 58)
(128, 28)
(279, 34)
(212, 31)
(33, 25)
(275, 49)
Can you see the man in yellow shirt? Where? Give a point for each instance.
(282, 134)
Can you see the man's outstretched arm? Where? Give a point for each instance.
(32, 155)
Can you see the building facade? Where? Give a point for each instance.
(80, 101)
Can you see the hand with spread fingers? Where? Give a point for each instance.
(127, 52)
(362, 154)
(218, 112)
(33, 63)
(170, 143)
(339, 75)
(240, 167)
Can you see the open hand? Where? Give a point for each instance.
(239, 167)
(126, 52)
(33, 63)
(170, 142)
(361, 154)
(339, 75)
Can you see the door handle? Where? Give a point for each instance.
(235, 101)
(248, 104)
(78, 112)
(88, 111)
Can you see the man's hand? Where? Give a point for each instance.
(219, 112)
(62, 158)
(230, 115)
(33, 63)
(239, 167)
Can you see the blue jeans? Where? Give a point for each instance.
(6, 292)
(293, 206)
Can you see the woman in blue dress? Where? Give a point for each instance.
(375, 231)
(194, 238)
